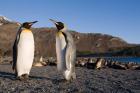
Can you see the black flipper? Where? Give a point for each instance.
(15, 51)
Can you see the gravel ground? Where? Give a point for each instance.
(48, 80)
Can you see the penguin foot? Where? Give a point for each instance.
(69, 76)
(23, 77)
(73, 75)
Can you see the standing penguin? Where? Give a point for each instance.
(23, 51)
(65, 51)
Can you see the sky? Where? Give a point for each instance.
(120, 18)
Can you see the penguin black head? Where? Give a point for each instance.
(59, 25)
(28, 25)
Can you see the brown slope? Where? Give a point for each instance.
(45, 41)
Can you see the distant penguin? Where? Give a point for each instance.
(23, 51)
(65, 51)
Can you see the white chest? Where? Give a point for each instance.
(25, 53)
(60, 51)
(60, 42)
(26, 39)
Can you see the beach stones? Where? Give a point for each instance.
(100, 63)
(91, 64)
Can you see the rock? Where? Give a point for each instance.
(130, 65)
(135, 67)
(52, 61)
(41, 59)
(118, 65)
(100, 63)
(90, 64)
(38, 64)
(82, 64)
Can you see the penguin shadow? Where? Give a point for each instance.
(57, 80)
(7, 75)
(39, 77)
(12, 76)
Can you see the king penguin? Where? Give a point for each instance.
(65, 51)
(23, 51)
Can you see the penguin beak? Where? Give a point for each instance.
(55, 22)
(34, 22)
(31, 23)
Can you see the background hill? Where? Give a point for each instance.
(86, 43)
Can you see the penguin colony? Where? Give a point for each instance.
(23, 51)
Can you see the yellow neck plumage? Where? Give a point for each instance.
(59, 33)
(26, 30)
